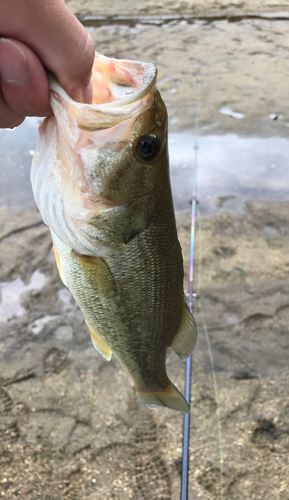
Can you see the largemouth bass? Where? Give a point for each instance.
(100, 177)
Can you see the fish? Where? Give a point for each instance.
(100, 178)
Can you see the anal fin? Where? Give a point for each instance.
(99, 345)
(185, 339)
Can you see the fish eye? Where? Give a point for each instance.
(148, 147)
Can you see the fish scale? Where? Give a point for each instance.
(121, 260)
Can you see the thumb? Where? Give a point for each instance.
(58, 39)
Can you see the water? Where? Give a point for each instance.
(232, 169)
(17, 147)
(11, 292)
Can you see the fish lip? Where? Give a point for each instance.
(150, 76)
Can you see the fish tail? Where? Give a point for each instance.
(169, 397)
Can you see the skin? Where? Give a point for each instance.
(43, 35)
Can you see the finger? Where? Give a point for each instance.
(8, 117)
(57, 37)
(24, 83)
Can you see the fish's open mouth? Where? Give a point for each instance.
(88, 170)
(120, 82)
(121, 90)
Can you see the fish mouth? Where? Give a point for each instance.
(82, 158)
(122, 89)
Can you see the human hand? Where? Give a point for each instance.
(36, 35)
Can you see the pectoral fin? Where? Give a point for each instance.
(99, 345)
(98, 273)
(57, 258)
(185, 339)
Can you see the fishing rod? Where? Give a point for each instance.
(191, 298)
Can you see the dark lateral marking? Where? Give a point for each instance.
(133, 234)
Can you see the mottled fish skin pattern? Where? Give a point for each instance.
(130, 289)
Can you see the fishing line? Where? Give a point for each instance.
(215, 384)
(191, 297)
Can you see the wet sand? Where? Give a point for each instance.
(205, 8)
(70, 427)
